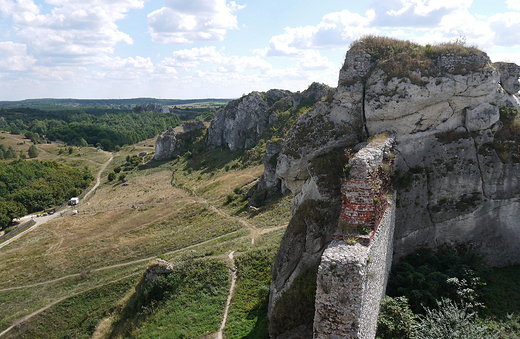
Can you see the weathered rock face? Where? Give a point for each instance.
(154, 107)
(457, 161)
(430, 102)
(165, 144)
(240, 123)
(192, 126)
(509, 74)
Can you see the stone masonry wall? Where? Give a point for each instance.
(354, 268)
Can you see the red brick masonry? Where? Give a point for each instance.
(364, 197)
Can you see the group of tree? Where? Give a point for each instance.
(101, 128)
(31, 186)
(7, 153)
(10, 153)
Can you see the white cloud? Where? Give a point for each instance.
(506, 27)
(13, 57)
(75, 31)
(513, 4)
(215, 60)
(506, 57)
(414, 13)
(313, 61)
(336, 30)
(187, 21)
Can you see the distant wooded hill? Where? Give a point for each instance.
(106, 124)
(48, 103)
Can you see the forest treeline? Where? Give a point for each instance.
(31, 186)
(101, 128)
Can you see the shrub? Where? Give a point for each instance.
(111, 176)
(395, 320)
(451, 321)
(122, 176)
(117, 169)
(33, 151)
(426, 276)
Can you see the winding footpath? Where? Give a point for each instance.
(233, 273)
(42, 220)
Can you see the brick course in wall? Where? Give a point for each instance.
(364, 197)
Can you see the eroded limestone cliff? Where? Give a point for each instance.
(457, 161)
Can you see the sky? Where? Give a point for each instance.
(196, 49)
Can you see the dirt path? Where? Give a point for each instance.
(42, 220)
(233, 274)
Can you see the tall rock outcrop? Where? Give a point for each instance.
(165, 144)
(172, 144)
(457, 161)
(240, 123)
(243, 121)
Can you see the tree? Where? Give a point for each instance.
(11, 153)
(33, 151)
(111, 176)
(122, 176)
(117, 169)
(10, 210)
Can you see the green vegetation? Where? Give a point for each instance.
(33, 151)
(74, 317)
(30, 186)
(188, 303)
(101, 128)
(7, 153)
(449, 294)
(248, 314)
(300, 297)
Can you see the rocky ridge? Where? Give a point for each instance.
(243, 121)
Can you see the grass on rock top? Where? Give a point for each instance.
(399, 58)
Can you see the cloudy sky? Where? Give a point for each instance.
(219, 48)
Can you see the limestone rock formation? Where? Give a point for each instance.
(165, 144)
(192, 126)
(154, 107)
(457, 161)
(171, 143)
(241, 123)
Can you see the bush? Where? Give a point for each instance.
(451, 321)
(117, 169)
(33, 151)
(426, 276)
(122, 177)
(395, 320)
(111, 176)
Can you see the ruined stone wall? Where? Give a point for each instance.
(354, 268)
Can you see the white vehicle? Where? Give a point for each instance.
(74, 201)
